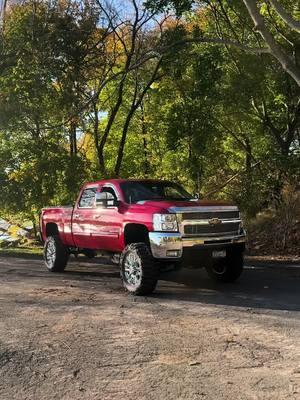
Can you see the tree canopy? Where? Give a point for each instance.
(201, 92)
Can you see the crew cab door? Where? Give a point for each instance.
(83, 222)
(108, 223)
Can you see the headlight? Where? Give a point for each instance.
(165, 222)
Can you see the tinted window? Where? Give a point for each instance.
(87, 199)
(135, 191)
(109, 190)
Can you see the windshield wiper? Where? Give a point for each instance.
(166, 198)
(152, 198)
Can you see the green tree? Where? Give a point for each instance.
(275, 31)
(40, 91)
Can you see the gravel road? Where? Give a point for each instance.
(77, 335)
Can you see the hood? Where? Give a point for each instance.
(165, 205)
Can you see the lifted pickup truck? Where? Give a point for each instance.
(147, 226)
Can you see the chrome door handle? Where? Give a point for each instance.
(97, 216)
(76, 215)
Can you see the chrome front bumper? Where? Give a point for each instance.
(171, 245)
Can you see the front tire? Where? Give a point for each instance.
(139, 270)
(56, 255)
(227, 269)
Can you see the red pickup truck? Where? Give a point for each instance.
(145, 225)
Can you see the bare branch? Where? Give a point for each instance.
(253, 50)
(135, 104)
(276, 26)
(287, 18)
(285, 60)
(231, 179)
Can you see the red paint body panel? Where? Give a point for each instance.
(103, 228)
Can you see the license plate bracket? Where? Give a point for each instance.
(219, 253)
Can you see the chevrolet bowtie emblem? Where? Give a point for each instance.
(214, 221)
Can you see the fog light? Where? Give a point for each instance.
(173, 253)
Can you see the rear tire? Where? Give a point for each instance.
(56, 255)
(227, 269)
(139, 270)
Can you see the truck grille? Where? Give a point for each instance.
(212, 230)
(210, 221)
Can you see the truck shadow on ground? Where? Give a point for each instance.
(275, 288)
(259, 287)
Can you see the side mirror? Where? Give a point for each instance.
(196, 197)
(105, 200)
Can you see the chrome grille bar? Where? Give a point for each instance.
(210, 221)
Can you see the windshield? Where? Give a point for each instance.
(135, 191)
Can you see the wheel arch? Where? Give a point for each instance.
(136, 233)
(51, 229)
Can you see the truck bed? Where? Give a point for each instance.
(62, 217)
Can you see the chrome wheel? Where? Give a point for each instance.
(139, 271)
(50, 253)
(56, 254)
(132, 269)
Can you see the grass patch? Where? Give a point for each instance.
(21, 251)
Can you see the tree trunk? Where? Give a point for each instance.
(122, 143)
(248, 166)
(287, 18)
(34, 226)
(285, 60)
(136, 103)
(73, 139)
(146, 164)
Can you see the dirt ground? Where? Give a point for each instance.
(77, 335)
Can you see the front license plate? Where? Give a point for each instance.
(219, 253)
